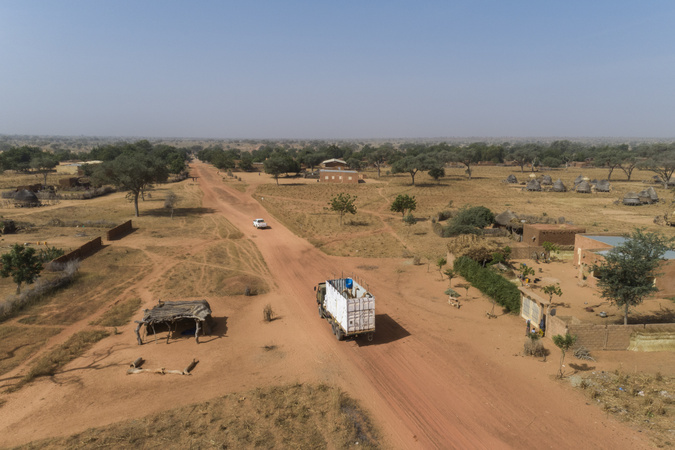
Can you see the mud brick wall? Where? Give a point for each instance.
(603, 337)
(119, 231)
(82, 252)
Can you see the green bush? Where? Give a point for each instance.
(478, 217)
(489, 283)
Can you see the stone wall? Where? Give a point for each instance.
(119, 230)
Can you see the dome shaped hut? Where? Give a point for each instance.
(558, 186)
(584, 187)
(26, 199)
(546, 180)
(631, 199)
(533, 185)
(578, 179)
(603, 186)
(512, 179)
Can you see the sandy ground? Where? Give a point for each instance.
(434, 376)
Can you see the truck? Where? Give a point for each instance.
(259, 223)
(347, 306)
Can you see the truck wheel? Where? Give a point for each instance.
(321, 314)
(339, 334)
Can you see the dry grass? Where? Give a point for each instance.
(120, 314)
(17, 344)
(646, 401)
(73, 348)
(302, 207)
(297, 416)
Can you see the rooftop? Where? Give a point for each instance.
(617, 240)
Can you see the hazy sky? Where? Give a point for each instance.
(337, 69)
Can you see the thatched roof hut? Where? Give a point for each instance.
(631, 199)
(512, 179)
(558, 186)
(603, 186)
(648, 196)
(170, 313)
(533, 185)
(578, 179)
(505, 219)
(26, 198)
(546, 180)
(584, 187)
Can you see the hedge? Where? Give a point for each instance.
(489, 283)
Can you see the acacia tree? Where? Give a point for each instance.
(551, 290)
(170, 201)
(22, 264)
(440, 262)
(626, 276)
(662, 163)
(44, 163)
(549, 247)
(134, 172)
(564, 343)
(342, 204)
(403, 203)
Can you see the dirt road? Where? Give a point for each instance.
(424, 385)
(434, 376)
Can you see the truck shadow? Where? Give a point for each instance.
(387, 330)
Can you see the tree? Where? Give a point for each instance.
(409, 220)
(450, 274)
(380, 156)
(342, 204)
(626, 276)
(551, 290)
(436, 173)
(662, 163)
(549, 247)
(275, 166)
(440, 262)
(170, 201)
(525, 271)
(413, 164)
(134, 172)
(403, 203)
(44, 163)
(564, 343)
(22, 264)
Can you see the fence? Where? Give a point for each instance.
(82, 252)
(119, 231)
(612, 336)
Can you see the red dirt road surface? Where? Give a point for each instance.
(433, 377)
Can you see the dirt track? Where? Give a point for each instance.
(434, 377)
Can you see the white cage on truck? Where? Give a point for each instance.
(347, 306)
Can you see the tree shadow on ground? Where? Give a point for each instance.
(387, 330)
(665, 315)
(583, 367)
(177, 212)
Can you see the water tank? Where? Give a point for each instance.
(349, 283)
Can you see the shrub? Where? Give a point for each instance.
(478, 217)
(268, 314)
(489, 283)
(534, 347)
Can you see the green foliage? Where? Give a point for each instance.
(451, 292)
(403, 203)
(551, 290)
(628, 270)
(525, 270)
(440, 262)
(135, 170)
(49, 254)
(342, 204)
(550, 247)
(490, 283)
(564, 343)
(22, 264)
(409, 219)
(469, 220)
(437, 173)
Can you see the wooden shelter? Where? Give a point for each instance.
(171, 313)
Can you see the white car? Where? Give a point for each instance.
(259, 223)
